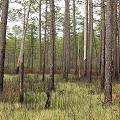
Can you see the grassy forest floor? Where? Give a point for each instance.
(72, 100)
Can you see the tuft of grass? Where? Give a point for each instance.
(72, 100)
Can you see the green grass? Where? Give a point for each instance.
(72, 100)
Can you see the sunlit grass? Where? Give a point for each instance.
(72, 100)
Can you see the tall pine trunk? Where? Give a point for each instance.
(3, 25)
(90, 40)
(43, 78)
(67, 41)
(52, 42)
(40, 67)
(74, 39)
(108, 52)
(103, 44)
(119, 40)
(115, 71)
(85, 36)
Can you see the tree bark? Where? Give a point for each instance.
(103, 44)
(67, 41)
(40, 67)
(85, 36)
(108, 52)
(119, 40)
(100, 48)
(3, 25)
(43, 78)
(52, 42)
(74, 39)
(90, 40)
(115, 71)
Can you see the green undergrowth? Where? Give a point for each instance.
(72, 100)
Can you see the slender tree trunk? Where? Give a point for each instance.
(15, 52)
(79, 60)
(55, 64)
(32, 47)
(47, 57)
(115, 71)
(96, 61)
(100, 48)
(52, 42)
(67, 41)
(85, 36)
(21, 59)
(103, 44)
(44, 45)
(64, 56)
(74, 39)
(108, 52)
(68, 37)
(40, 67)
(119, 40)
(3, 25)
(28, 62)
(90, 39)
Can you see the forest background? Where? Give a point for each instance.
(15, 28)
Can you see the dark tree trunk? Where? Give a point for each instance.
(32, 48)
(100, 48)
(90, 40)
(74, 39)
(68, 36)
(119, 40)
(40, 67)
(108, 52)
(3, 39)
(52, 42)
(44, 45)
(47, 56)
(103, 44)
(64, 56)
(21, 81)
(67, 41)
(115, 71)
